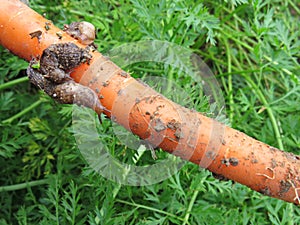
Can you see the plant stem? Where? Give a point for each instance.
(16, 187)
(294, 6)
(251, 50)
(189, 209)
(148, 208)
(115, 191)
(13, 82)
(230, 90)
(23, 112)
(264, 101)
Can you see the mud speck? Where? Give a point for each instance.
(47, 26)
(225, 162)
(176, 126)
(273, 149)
(265, 191)
(105, 84)
(210, 155)
(291, 156)
(173, 125)
(159, 125)
(59, 35)
(120, 92)
(284, 187)
(220, 177)
(36, 34)
(273, 163)
(233, 161)
(123, 74)
(178, 133)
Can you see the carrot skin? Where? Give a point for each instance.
(177, 130)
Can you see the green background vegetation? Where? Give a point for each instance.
(252, 47)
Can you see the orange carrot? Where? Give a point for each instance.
(175, 129)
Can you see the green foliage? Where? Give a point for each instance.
(253, 49)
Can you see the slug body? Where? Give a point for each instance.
(52, 76)
(84, 32)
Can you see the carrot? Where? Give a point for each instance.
(177, 130)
